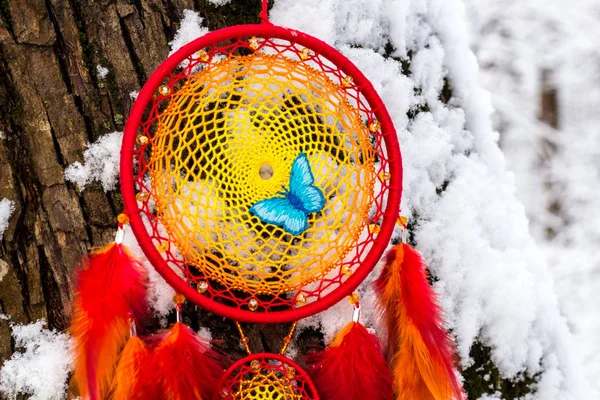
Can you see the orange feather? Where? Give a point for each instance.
(111, 289)
(134, 364)
(420, 350)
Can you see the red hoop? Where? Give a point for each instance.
(391, 203)
(298, 380)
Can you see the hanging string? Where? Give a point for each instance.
(288, 338)
(264, 17)
(243, 338)
(286, 341)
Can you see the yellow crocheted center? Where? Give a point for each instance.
(266, 387)
(227, 139)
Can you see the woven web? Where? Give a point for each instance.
(221, 134)
(267, 379)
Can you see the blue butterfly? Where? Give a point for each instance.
(303, 197)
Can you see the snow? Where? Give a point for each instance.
(102, 71)
(101, 163)
(7, 207)
(515, 42)
(190, 28)
(160, 293)
(219, 2)
(40, 366)
(494, 280)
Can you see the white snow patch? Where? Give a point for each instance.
(556, 168)
(40, 366)
(134, 95)
(495, 396)
(101, 163)
(204, 333)
(219, 2)
(190, 29)
(7, 207)
(102, 71)
(160, 293)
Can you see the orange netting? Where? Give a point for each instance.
(228, 140)
(222, 134)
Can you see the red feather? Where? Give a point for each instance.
(352, 367)
(111, 288)
(420, 349)
(185, 366)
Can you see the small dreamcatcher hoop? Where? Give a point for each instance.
(265, 376)
(261, 173)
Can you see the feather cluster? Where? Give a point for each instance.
(175, 365)
(111, 289)
(108, 363)
(420, 350)
(352, 367)
(184, 367)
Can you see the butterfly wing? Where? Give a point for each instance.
(302, 185)
(280, 212)
(296, 222)
(312, 199)
(301, 174)
(292, 217)
(272, 211)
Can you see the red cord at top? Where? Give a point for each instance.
(264, 16)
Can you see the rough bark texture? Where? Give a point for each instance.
(52, 105)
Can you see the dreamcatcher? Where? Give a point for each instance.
(261, 175)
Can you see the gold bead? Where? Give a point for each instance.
(164, 90)
(375, 126)
(385, 176)
(255, 365)
(300, 300)
(354, 298)
(305, 53)
(179, 298)
(202, 286)
(123, 219)
(290, 372)
(402, 221)
(374, 228)
(346, 270)
(203, 55)
(253, 304)
(142, 196)
(347, 81)
(162, 247)
(254, 43)
(142, 140)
